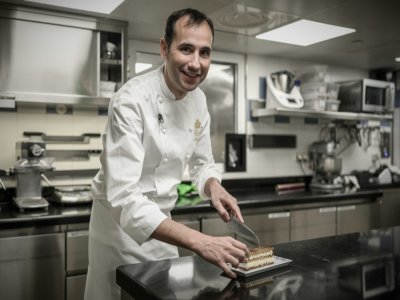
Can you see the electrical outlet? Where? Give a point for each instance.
(301, 157)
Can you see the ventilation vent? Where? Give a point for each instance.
(240, 18)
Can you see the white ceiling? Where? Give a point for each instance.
(375, 43)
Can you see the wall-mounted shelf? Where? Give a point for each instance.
(9, 100)
(108, 61)
(328, 115)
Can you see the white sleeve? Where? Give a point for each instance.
(202, 165)
(123, 162)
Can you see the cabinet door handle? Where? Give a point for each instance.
(347, 207)
(73, 234)
(278, 215)
(324, 210)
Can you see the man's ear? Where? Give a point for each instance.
(163, 48)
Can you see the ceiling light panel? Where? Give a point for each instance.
(98, 6)
(304, 33)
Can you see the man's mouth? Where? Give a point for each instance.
(191, 75)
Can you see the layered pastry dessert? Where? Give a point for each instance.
(259, 257)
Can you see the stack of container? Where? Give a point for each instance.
(317, 92)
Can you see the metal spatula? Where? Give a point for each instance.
(243, 233)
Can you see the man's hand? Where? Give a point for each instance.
(222, 201)
(217, 250)
(222, 250)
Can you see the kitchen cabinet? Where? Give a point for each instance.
(390, 207)
(271, 225)
(75, 287)
(60, 58)
(76, 260)
(32, 264)
(356, 216)
(312, 222)
(112, 73)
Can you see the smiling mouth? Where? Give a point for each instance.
(191, 75)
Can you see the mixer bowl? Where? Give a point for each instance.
(329, 166)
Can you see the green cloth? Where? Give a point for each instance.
(188, 195)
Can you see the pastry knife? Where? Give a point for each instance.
(243, 233)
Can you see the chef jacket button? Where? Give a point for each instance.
(165, 159)
(160, 100)
(187, 156)
(163, 130)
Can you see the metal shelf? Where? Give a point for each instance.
(107, 61)
(9, 100)
(328, 115)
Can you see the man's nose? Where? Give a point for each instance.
(195, 61)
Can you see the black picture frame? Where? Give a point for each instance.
(235, 152)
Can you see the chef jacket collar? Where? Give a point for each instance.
(164, 87)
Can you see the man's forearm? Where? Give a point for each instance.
(177, 234)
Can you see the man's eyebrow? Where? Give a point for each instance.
(193, 46)
(186, 45)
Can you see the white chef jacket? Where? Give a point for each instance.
(149, 140)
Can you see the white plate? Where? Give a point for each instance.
(278, 262)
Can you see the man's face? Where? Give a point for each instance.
(188, 59)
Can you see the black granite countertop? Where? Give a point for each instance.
(56, 214)
(353, 266)
(10, 216)
(269, 197)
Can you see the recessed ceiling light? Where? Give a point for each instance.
(304, 33)
(103, 6)
(397, 59)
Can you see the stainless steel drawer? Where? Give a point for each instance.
(270, 227)
(77, 250)
(75, 287)
(357, 217)
(32, 267)
(312, 223)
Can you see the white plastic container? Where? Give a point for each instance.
(315, 101)
(316, 73)
(332, 105)
(315, 104)
(333, 90)
(311, 87)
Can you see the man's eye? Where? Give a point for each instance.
(186, 49)
(205, 53)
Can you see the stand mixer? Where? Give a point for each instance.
(325, 164)
(282, 91)
(28, 170)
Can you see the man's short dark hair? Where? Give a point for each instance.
(195, 17)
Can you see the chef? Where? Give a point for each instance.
(158, 124)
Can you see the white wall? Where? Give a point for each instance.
(282, 162)
(34, 118)
(260, 162)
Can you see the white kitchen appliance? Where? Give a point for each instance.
(282, 91)
(29, 173)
